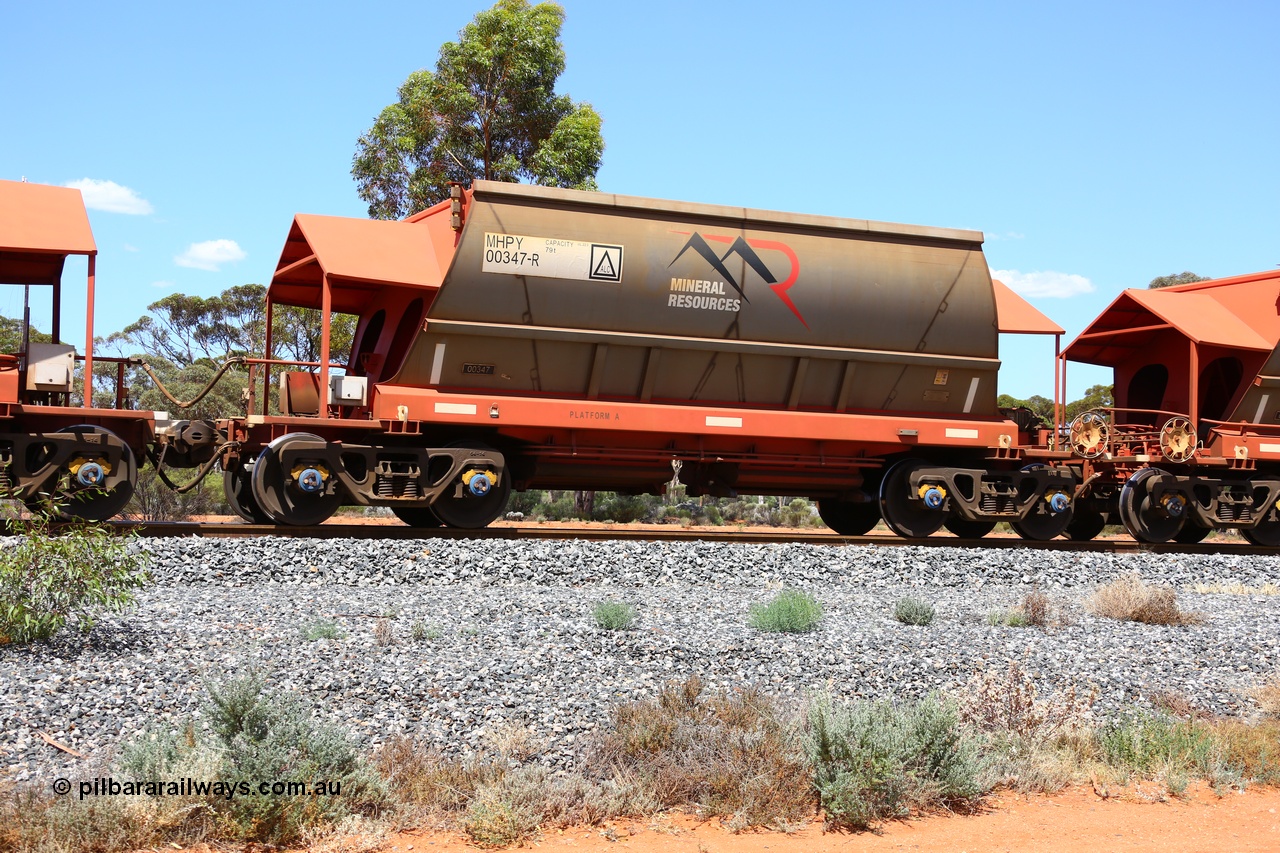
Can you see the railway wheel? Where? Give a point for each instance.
(1048, 519)
(1041, 525)
(848, 518)
(1267, 532)
(1191, 533)
(474, 504)
(907, 515)
(1145, 519)
(237, 486)
(80, 489)
(417, 516)
(1085, 524)
(966, 529)
(301, 495)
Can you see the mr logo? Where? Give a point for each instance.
(606, 262)
(745, 249)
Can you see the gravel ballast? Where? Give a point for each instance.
(510, 643)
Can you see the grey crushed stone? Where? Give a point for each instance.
(518, 649)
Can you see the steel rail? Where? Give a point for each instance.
(163, 529)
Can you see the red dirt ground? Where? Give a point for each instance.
(1075, 821)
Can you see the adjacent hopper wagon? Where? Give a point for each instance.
(1192, 443)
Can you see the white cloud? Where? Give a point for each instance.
(210, 255)
(1048, 284)
(111, 197)
(129, 247)
(164, 284)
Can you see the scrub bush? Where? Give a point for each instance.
(75, 574)
(791, 611)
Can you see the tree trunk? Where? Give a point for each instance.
(584, 503)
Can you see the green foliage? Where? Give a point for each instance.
(526, 503)
(1175, 279)
(614, 615)
(913, 611)
(1010, 618)
(48, 580)
(183, 329)
(493, 820)
(877, 760)
(421, 631)
(261, 737)
(322, 629)
(186, 339)
(1042, 406)
(1147, 744)
(489, 110)
(624, 509)
(791, 611)
(11, 335)
(1095, 397)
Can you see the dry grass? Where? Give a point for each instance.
(1033, 744)
(1130, 599)
(737, 755)
(1008, 703)
(495, 801)
(1267, 695)
(1235, 588)
(1253, 751)
(1179, 705)
(731, 755)
(1036, 609)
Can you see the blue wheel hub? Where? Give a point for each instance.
(933, 497)
(91, 474)
(1059, 502)
(310, 480)
(479, 485)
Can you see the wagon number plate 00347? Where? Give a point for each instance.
(547, 257)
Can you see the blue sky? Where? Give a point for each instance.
(1097, 145)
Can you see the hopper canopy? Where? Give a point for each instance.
(39, 227)
(358, 255)
(1017, 316)
(1136, 316)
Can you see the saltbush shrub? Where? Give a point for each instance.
(877, 760)
(614, 615)
(791, 611)
(259, 737)
(913, 611)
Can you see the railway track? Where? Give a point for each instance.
(650, 534)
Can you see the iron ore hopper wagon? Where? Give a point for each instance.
(1192, 443)
(59, 446)
(518, 337)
